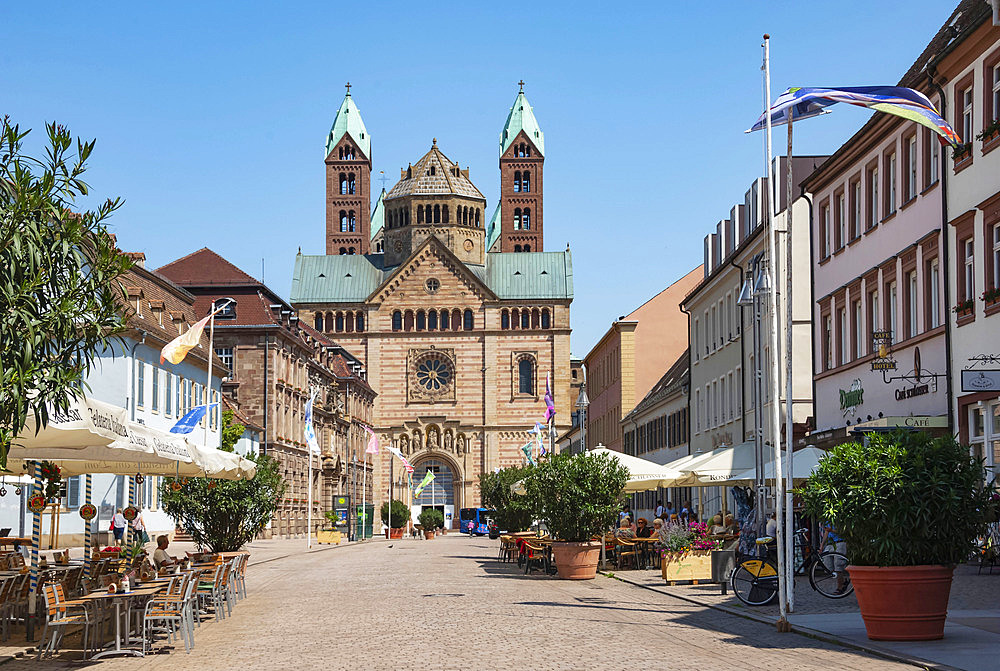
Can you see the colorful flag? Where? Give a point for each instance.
(372, 441)
(539, 431)
(187, 423)
(423, 483)
(526, 448)
(309, 431)
(550, 403)
(805, 102)
(175, 350)
(399, 455)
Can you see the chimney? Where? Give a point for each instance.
(138, 258)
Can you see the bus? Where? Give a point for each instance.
(481, 519)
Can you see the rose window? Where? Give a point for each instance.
(433, 374)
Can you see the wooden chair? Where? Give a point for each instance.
(61, 613)
(624, 551)
(535, 553)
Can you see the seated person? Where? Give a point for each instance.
(624, 530)
(716, 529)
(642, 528)
(771, 529)
(731, 526)
(160, 558)
(660, 532)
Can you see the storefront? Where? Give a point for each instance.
(979, 414)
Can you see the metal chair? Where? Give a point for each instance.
(169, 610)
(210, 593)
(624, 551)
(60, 614)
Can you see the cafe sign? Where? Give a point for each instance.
(882, 346)
(980, 380)
(851, 398)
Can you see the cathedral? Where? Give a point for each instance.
(459, 316)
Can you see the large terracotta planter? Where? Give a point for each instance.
(429, 535)
(903, 603)
(576, 561)
(395, 532)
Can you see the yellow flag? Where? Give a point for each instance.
(175, 350)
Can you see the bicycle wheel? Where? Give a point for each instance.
(828, 575)
(755, 582)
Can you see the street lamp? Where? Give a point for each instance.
(582, 401)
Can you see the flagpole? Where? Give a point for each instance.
(789, 390)
(390, 498)
(773, 309)
(208, 382)
(364, 484)
(309, 489)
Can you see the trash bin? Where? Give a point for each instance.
(723, 563)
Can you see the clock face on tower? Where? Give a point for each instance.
(468, 244)
(398, 246)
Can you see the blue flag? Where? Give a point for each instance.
(309, 431)
(187, 423)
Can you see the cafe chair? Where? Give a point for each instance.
(169, 612)
(535, 553)
(61, 613)
(625, 551)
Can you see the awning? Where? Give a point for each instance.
(804, 463)
(643, 475)
(720, 467)
(686, 465)
(911, 422)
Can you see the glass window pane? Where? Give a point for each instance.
(976, 422)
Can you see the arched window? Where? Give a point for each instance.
(456, 319)
(350, 250)
(421, 320)
(343, 250)
(359, 323)
(525, 376)
(420, 214)
(350, 222)
(534, 318)
(432, 320)
(343, 221)
(444, 214)
(408, 320)
(437, 214)
(467, 320)
(318, 321)
(525, 319)
(378, 247)
(329, 321)
(340, 322)
(514, 321)
(444, 320)
(517, 219)
(465, 215)
(343, 184)
(349, 322)
(526, 219)
(517, 181)
(397, 321)
(527, 150)
(527, 248)
(546, 319)
(351, 183)
(348, 153)
(517, 248)
(477, 217)
(525, 182)
(505, 319)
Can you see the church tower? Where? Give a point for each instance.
(348, 182)
(522, 155)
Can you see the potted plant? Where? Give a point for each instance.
(512, 513)
(400, 516)
(431, 519)
(991, 131)
(962, 152)
(991, 296)
(687, 554)
(576, 496)
(909, 507)
(964, 307)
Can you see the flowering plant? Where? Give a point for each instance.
(991, 295)
(52, 477)
(678, 540)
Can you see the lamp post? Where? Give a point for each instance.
(751, 296)
(582, 401)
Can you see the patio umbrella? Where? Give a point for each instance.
(685, 465)
(86, 422)
(717, 469)
(806, 461)
(643, 475)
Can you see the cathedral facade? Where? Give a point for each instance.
(459, 316)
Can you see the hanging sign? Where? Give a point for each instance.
(130, 513)
(882, 346)
(980, 380)
(88, 511)
(36, 503)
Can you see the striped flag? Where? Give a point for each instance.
(309, 431)
(423, 483)
(399, 455)
(372, 441)
(526, 448)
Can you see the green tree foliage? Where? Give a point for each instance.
(400, 513)
(431, 519)
(576, 496)
(224, 515)
(59, 288)
(904, 499)
(513, 512)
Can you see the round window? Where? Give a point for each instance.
(434, 374)
(432, 285)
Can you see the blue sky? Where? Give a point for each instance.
(211, 119)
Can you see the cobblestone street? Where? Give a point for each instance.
(448, 604)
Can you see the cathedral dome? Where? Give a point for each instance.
(434, 174)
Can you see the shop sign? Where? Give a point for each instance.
(980, 380)
(851, 398)
(882, 346)
(910, 392)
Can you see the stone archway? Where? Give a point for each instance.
(445, 492)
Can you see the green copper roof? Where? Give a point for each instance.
(348, 120)
(378, 215)
(353, 278)
(493, 230)
(522, 118)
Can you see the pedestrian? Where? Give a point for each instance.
(830, 541)
(626, 511)
(668, 512)
(685, 513)
(118, 525)
(139, 526)
(659, 510)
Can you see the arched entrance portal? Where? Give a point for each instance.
(440, 493)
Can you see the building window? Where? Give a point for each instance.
(873, 212)
(969, 284)
(841, 220)
(873, 313)
(318, 321)
(526, 221)
(845, 352)
(994, 79)
(351, 224)
(890, 184)
(995, 275)
(932, 157)
(225, 355)
(73, 492)
(505, 320)
(911, 167)
(525, 376)
(855, 228)
(432, 320)
(434, 373)
(517, 219)
(351, 183)
(155, 400)
(339, 322)
(421, 320)
(827, 232)
(140, 383)
(827, 342)
(444, 320)
(893, 312)
(359, 322)
(911, 308)
(966, 99)
(168, 396)
(467, 320)
(694, 333)
(517, 181)
(525, 319)
(397, 321)
(179, 397)
(343, 223)
(859, 339)
(526, 181)
(933, 294)
(546, 318)
(343, 184)
(226, 308)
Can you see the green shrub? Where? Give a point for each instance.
(431, 519)
(576, 495)
(904, 499)
(513, 512)
(400, 513)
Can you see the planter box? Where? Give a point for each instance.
(395, 532)
(327, 536)
(695, 565)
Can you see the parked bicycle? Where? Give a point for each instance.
(755, 578)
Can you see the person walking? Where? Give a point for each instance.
(659, 510)
(139, 527)
(118, 525)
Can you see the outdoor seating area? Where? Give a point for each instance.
(85, 609)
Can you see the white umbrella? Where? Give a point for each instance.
(685, 466)
(85, 423)
(643, 475)
(719, 468)
(806, 461)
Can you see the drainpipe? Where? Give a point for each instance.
(743, 414)
(267, 408)
(812, 301)
(945, 261)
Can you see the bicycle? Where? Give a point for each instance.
(755, 578)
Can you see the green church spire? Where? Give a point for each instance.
(348, 121)
(522, 118)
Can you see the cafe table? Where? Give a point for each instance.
(645, 544)
(102, 598)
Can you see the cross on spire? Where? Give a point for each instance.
(521, 84)
(348, 87)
